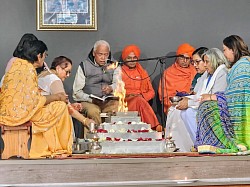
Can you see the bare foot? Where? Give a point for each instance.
(158, 128)
(242, 147)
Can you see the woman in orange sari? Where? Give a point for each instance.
(21, 101)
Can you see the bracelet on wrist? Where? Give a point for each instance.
(84, 121)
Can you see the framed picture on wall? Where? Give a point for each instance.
(66, 15)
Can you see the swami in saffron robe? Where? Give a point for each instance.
(139, 91)
(175, 79)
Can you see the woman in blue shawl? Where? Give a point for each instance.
(224, 118)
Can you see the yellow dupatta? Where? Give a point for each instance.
(20, 98)
(21, 101)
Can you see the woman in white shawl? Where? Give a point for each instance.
(213, 80)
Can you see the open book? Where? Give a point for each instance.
(104, 98)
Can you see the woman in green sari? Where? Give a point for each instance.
(224, 118)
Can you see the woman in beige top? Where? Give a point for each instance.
(51, 80)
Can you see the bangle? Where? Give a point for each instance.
(84, 121)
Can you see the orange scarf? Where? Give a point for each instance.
(144, 82)
(176, 78)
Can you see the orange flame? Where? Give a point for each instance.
(112, 66)
(120, 92)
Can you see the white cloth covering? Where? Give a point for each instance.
(177, 129)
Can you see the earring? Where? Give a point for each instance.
(56, 70)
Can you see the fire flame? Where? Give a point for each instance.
(112, 65)
(120, 92)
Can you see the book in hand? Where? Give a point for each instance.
(104, 98)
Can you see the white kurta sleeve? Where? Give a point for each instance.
(79, 83)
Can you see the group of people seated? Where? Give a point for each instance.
(95, 77)
(213, 112)
(30, 91)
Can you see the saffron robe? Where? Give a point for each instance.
(175, 79)
(139, 91)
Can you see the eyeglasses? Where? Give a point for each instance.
(67, 72)
(184, 58)
(196, 62)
